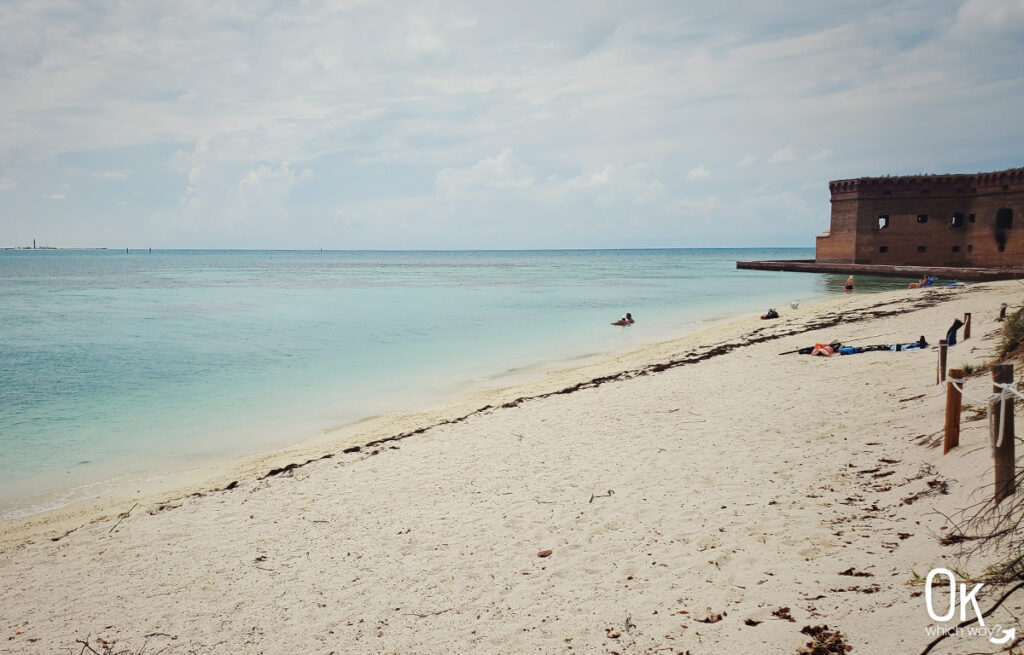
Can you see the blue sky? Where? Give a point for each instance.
(486, 125)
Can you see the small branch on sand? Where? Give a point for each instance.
(607, 495)
(85, 645)
(425, 615)
(122, 517)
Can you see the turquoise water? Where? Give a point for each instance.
(113, 362)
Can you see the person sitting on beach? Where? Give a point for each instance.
(625, 320)
(918, 285)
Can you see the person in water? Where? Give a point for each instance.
(849, 284)
(625, 320)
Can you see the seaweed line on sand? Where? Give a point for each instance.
(756, 336)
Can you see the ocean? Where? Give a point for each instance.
(115, 363)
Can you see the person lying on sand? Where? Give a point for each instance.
(625, 320)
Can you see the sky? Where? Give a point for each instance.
(445, 124)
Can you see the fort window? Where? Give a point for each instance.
(887, 192)
(1002, 246)
(970, 218)
(956, 248)
(1004, 219)
(957, 220)
(922, 249)
(970, 247)
(883, 221)
(883, 248)
(922, 218)
(1006, 187)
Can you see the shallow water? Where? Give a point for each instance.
(113, 362)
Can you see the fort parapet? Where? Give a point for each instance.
(971, 222)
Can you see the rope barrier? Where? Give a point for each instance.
(1006, 390)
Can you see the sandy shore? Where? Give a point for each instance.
(689, 479)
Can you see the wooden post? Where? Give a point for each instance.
(1002, 312)
(967, 326)
(1004, 453)
(953, 400)
(940, 373)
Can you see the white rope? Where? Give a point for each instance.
(959, 384)
(1007, 390)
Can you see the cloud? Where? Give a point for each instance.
(635, 184)
(57, 196)
(500, 172)
(222, 198)
(699, 173)
(284, 118)
(114, 175)
(783, 156)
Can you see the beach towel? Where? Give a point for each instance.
(822, 349)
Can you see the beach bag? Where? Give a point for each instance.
(822, 349)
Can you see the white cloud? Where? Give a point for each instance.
(114, 175)
(699, 173)
(500, 172)
(783, 156)
(632, 185)
(220, 199)
(486, 108)
(986, 18)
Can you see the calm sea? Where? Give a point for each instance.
(113, 362)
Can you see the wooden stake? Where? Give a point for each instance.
(940, 373)
(1002, 312)
(1002, 415)
(967, 326)
(953, 402)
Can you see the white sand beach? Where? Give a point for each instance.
(735, 486)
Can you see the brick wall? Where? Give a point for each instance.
(921, 229)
